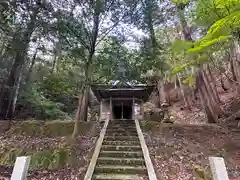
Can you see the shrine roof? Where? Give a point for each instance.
(122, 90)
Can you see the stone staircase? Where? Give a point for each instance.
(121, 156)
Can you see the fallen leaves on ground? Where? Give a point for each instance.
(177, 149)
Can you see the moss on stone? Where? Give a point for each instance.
(48, 128)
(8, 157)
(55, 159)
(201, 173)
(45, 159)
(63, 155)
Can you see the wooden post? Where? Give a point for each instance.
(142, 109)
(122, 110)
(21, 168)
(218, 168)
(101, 109)
(133, 109)
(111, 109)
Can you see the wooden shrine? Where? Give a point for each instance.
(122, 100)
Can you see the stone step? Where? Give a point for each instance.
(121, 169)
(120, 123)
(126, 127)
(121, 134)
(123, 154)
(121, 130)
(134, 132)
(117, 129)
(121, 148)
(123, 138)
(107, 142)
(118, 177)
(122, 161)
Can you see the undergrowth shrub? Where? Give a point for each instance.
(34, 104)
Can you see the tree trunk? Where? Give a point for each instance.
(186, 100)
(233, 69)
(152, 34)
(209, 86)
(57, 54)
(213, 82)
(235, 60)
(176, 83)
(185, 29)
(209, 91)
(85, 104)
(211, 115)
(2, 50)
(54, 64)
(29, 74)
(161, 92)
(10, 90)
(223, 85)
(237, 63)
(77, 117)
(205, 98)
(148, 6)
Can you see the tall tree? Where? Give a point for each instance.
(20, 43)
(89, 27)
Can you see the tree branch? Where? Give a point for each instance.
(105, 33)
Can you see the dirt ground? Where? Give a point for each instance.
(180, 152)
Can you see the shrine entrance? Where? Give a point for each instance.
(122, 109)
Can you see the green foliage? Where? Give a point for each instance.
(59, 84)
(40, 106)
(225, 25)
(178, 2)
(228, 4)
(180, 68)
(115, 62)
(75, 37)
(222, 26)
(180, 45)
(190, 80)
(204, 44)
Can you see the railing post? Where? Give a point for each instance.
(218, 168)
(111, 109)
(21, 168)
